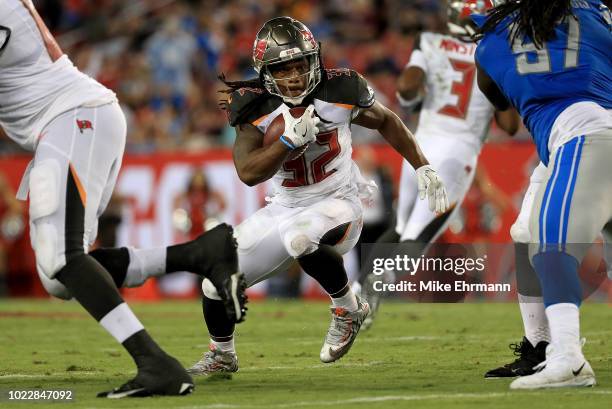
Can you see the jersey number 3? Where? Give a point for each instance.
(299, 166)
(462, 89)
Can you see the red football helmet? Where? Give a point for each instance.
(459, 12)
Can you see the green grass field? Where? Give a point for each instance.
(416, 355)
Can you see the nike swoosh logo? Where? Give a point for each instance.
(237, 309)
(336, 354)
(185, 388)
(576, 372)
(340, 352)
(119, 395)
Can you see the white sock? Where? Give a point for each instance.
(144, 263)
(121, 322)
(348, 301)
(534, 319)
(225, 346)
(564, 321)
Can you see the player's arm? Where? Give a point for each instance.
(382, 119)
(54, 50)
(410, 85)
(508, 120)
(491, 90)
(254, 162)
(391, 127)
(411, 82)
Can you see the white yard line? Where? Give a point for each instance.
(317, 366)
(53, 374)
(362, 340)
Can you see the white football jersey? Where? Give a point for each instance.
(34, 89)
(326, 167)
(453, 106)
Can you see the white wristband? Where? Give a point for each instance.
(409, 104)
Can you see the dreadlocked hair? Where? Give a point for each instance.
(535, 19)
(236, 85)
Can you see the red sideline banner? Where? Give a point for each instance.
(151, 183)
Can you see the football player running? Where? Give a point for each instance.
(315, 215)
(551, 61)
(77, 132)
(453, 124)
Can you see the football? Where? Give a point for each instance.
(277, 127)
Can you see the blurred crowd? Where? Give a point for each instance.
(162, 57)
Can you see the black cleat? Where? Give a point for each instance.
(233, 294)
(218, 262)
(165, 376)
(528, 357)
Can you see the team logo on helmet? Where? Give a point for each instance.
(475, 6)
(308, 37)
(260, 49)
(459, 12)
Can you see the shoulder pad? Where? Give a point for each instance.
(344, 86)
(245, 105)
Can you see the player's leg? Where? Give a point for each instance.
(317, 237)
(268, 242)
(211, 255)
(532, 349)
(261, 254)
(569, 212)
(66, 184)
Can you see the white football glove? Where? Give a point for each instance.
(430, 185)
(300, 131)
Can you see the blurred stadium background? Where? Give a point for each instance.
(162, 58)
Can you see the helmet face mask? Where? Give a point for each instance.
(286, 57)
(459, 23)
(293, 80)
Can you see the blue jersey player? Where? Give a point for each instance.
(551, 60)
